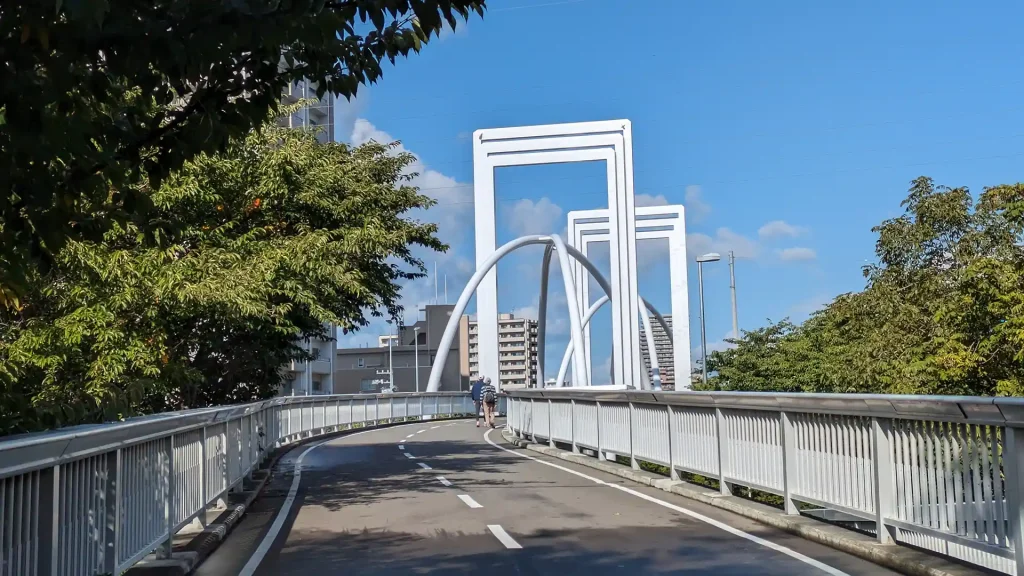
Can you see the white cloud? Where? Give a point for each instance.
(722, 242)
(805, 308)
(696, 208)
(797, 254)
(648, 200)
(540, 217)
(779, 229)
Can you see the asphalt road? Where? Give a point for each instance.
(431, 498)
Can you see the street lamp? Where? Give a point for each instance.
(709, 257)
(416, 361)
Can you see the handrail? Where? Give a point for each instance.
(941, 473)
(96, 499)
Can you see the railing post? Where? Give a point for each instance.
(881, 451)
(112, 513)
(533, 419)
(572, 425)
(164, 551)
(673, 473)
(49, 521)
(723, 486)
(789, 466)
(600, 446)
(632, 451)
(1013, 467)
(551, 433)
(407, 415)
(204, 494)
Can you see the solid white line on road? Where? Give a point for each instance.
(695, 515)
(401, 446)
(444, 481)
(410, 456)
(503, 536)
(469, 501)
(424, 465)
(275, 528)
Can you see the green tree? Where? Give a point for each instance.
(101, 98)
(942, 311)
(277, 235)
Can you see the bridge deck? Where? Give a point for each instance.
(364, 507)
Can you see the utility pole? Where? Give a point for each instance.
(435, 282)
(446, 288)
(732, 287)
(391, 365)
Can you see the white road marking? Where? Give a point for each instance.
(503, 536)
(424, 465)
(401, 446)
(410, 456)
(420, 431)
(411, 435)
(469, 501)
(435, 427)
(444, 481)
(695, 515)
(275, 528)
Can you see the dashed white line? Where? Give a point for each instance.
(409, 456)
(469, 501)
(275, 528)
(424, 465)
(401, 446)
(695, 515)
(503, 536)
(411, 435)
(420, 431)
(444, 481)
(435, 427)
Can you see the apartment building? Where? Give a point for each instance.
(666, 356)
(315, 377)
(517, 351)
(319, 114)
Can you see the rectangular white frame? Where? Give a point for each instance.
(610, 141)
(653, 222)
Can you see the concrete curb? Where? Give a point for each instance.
(192, 548)
(899, 558)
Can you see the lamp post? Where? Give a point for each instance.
(416, 360)
(391, 364)
(709, 257)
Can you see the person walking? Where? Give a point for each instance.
(489, 395)
(475, 392)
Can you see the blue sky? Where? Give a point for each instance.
(787, 129)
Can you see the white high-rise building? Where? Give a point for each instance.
(666, 363)
(319, 114)
(517, 351)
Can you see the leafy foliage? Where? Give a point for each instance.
(277, 236)
(942, 312)
(98, 98)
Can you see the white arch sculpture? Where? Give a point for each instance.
(563, 368)
(610, 142)
(586, 227)
(576, 333)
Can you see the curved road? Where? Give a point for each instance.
(447, 497)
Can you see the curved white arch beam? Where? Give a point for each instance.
(575, 322)
(452, 329)
(655, 370)
(542, 311)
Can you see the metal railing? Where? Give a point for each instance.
(97, 499)
(945, 474)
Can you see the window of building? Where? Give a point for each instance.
(361, 363)
(316, 353)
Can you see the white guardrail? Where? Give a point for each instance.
(944, 474)
(97, 499)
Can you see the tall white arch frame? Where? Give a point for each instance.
(652, 222)
(609, 141)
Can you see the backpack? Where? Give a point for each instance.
(489, 396)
